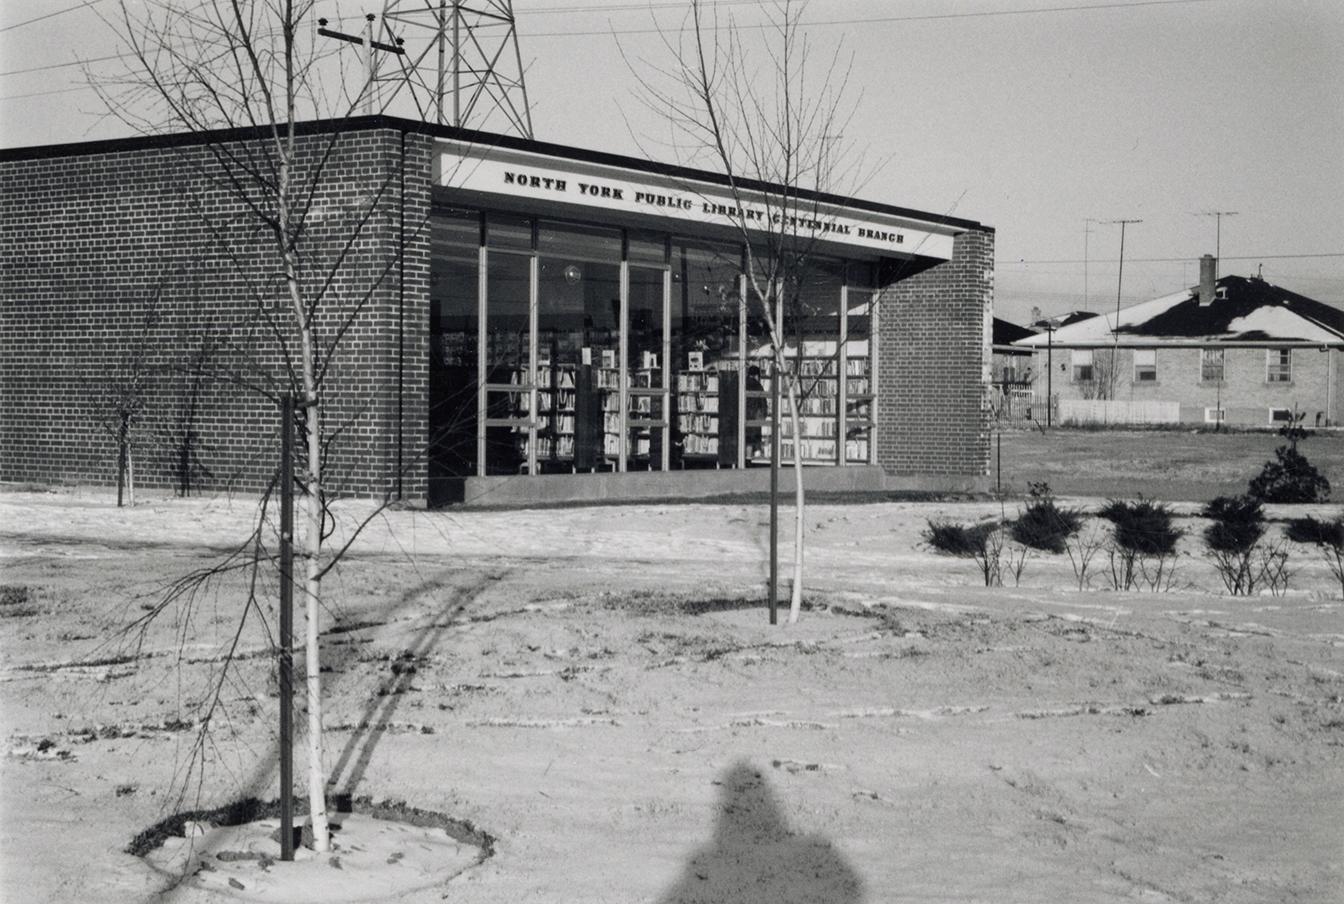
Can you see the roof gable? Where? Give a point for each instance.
(1247, 310)
(1006, 332)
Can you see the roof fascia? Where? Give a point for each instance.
(472, 136)
(1208, 343)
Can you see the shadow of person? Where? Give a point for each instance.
(755, 858)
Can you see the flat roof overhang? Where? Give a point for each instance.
(472, 174)
(1211, 342)
(925, 238)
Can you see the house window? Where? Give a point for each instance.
(1279, 365)
(1211, 365)
(1280, 416)
(1082, 365)
(1145, 365)
(1215, 415)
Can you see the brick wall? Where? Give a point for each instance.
(933, 351)
(1245, 395)
(128, 261)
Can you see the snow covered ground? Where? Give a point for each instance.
(591, 688)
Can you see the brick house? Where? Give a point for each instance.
(1235, 350)
(533, 321)
(1011, 383)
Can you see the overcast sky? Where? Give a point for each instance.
(1032, 116)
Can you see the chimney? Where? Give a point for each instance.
(1207, 267)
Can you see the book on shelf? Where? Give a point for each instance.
(811, 450)
(550, 447)
(695, 444)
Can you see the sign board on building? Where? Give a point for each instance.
(542, 178)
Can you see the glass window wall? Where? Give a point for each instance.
(706, 354)
(646, 352)
(812, 349)
(585, 348)
(508, 394)
(859, 387)
(578, 340)
(453, 336)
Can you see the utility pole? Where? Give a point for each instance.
(1218, 236)
(368, 45)
(1119, 281)
(1087, 232)
(1050, 373)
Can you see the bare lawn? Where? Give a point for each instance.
(1165, 464)
(598, 690)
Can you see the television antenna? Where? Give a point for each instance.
(1218, 237)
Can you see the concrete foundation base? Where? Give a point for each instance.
(651, 485)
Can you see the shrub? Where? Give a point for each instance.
(982, 542)
(1328, 536)
(1238, 524)
(1082, 547)
(1290, 478)
(1316, 532)
(965, 540)
(1144, 526)
(1144, 544)
(1044, 525)
(1232, 540)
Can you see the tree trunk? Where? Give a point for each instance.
(121, 462)
(312, 547)
(795, 424)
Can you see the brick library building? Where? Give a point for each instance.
(498, 320)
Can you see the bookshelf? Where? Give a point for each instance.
(698, 414)
(705, 404)
(645, 411)
(822, 395)
(859, 414)
(577, 427)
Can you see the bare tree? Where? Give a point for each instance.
(209, 65)
(773, 127)
(1101, 385)
(182, 441)
(120, 394)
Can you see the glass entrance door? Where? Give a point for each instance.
(647, 350)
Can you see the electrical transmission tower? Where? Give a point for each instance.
(462, 66)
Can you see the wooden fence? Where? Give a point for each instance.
(1118, 411)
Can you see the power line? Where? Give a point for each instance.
(1174, 260)
(880, 20)
(874, 20)
(59, 12)
(45, 93)
(633, 7)
(66, 65)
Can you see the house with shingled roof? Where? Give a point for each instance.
(1234, 350)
